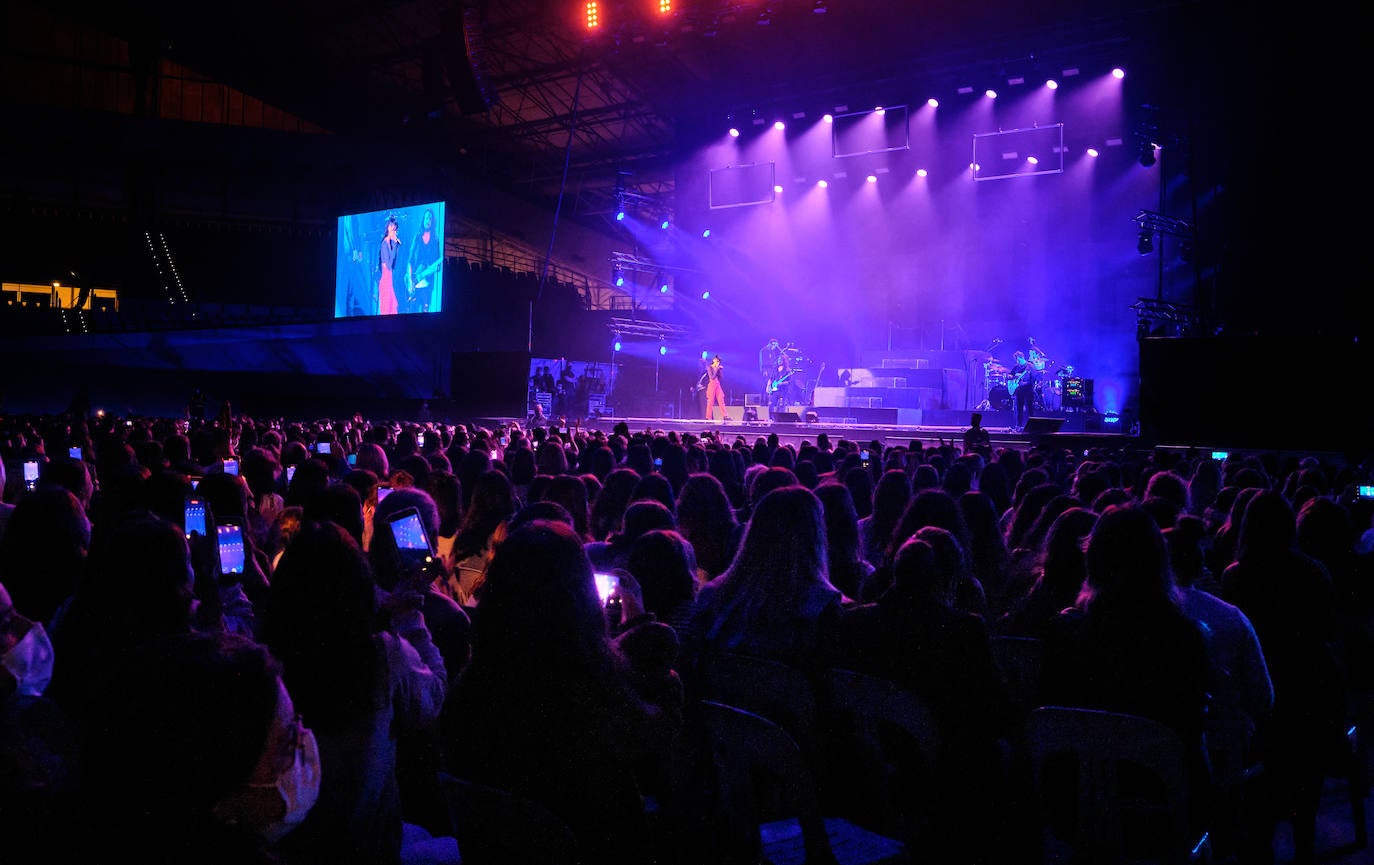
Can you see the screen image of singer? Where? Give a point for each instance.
(390, 262)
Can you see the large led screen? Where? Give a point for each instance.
(390, 261)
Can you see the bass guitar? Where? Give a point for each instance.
(780, 381)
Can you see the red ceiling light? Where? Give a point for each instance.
(593, 11)
(665, 7)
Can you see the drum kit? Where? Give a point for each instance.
(1000, 385)
(996, 375)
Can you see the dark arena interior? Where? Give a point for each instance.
(1098, 230)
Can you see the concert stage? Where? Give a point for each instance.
(946, 426)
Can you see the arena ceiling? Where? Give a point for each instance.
(553, 108)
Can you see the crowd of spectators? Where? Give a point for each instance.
(163, 705)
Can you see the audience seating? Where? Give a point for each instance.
(783, 694)
(1111, 788)
(1018, 662)
(888, 749)
(497, 827)
(764, 780)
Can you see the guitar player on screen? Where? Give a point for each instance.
(422, 267)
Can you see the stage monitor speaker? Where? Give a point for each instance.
(1039, 426)
(490, 383)
(786, 416)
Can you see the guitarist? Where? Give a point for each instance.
(422, 268)
(776, 367)
(771, 360)
(1021, 384)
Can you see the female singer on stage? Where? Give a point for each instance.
(710, 379)
(386, 288)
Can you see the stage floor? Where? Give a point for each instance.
(1040, 430)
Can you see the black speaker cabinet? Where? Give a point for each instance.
(1039, 426)
(786, 416)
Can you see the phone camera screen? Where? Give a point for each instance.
(195, 517)
(409, 533)
(606, 584)
(230, 549)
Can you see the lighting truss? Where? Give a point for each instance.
(652, 329)
(1183, 317)
(1158, 223)
(631, 263)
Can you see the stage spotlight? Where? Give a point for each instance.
(933, 102)
(1145, 244)
(617, 276)
(615, 346)
(662, 350)
(664, 225)
(1118, 73)
(665, 7)
(822, 184)
(990, 93)
(1147, 154)
(778, 188)
(1052, 84)
(663, 288)
(872, 178)
(734, 133)
(1033, 160)
(706, 233)
(779, 125)
(593, 10)
(1092, 151)
(879, 110)
(828, 118)
(921, 172)
(620, 216)
(706, 295)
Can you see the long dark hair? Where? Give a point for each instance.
(321, 623)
